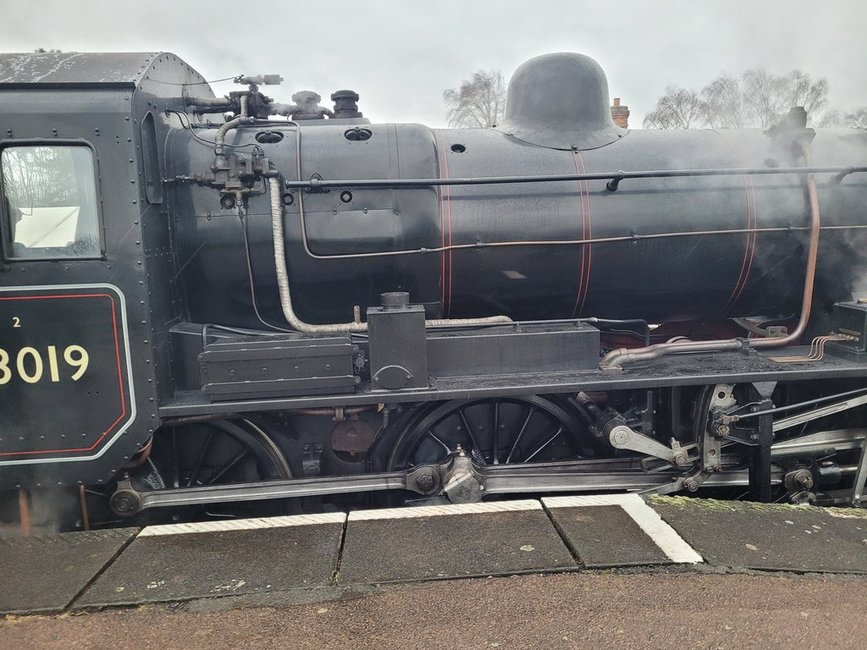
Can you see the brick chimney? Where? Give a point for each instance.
(620, 114)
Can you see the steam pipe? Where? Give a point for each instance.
(315, 184)
(286, 296)
(615, 359)
(208, 104)
(24, 511)
(220, 137)
(812, 262)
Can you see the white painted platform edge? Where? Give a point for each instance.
(446, 509)
(584, 500)
(243, 524)
(663, 535)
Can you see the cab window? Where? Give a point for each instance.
(49, 193)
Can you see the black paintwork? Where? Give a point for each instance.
(55, 326)
(679, 278)
(177, 253)
(693, 370)
(281, 364)
(99, 100)
(398, 354)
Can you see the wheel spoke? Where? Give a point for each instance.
(469, 430)
(200, 459)
(544, 444)
(444, 445)
(523, 429)
(228, 466)
(176, 473)
(530, 414)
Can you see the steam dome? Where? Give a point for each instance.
(560, 101)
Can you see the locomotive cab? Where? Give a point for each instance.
(85, 289)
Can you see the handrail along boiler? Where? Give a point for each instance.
(210, 301)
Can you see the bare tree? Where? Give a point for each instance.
(38, 176)
(806, 92)
(856, 118)
(757, 98)
(478, 102)
(723, 104)
(678, 108)
(766, 96)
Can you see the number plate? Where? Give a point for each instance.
(65, 385)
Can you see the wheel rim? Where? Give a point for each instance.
(499, 431)
(218, 452)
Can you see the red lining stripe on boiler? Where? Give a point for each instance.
(586, 233)
(750, 243)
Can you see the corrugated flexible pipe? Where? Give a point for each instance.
(332, 328)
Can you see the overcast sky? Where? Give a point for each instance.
(400, 55)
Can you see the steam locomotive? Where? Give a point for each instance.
(213, 304)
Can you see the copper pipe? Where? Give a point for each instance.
(141, 455)
(615, 359)
(85, 515)
(24, 511)
(817, 349)
(812, 260)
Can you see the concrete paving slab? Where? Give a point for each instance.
(45, 573)
(606, 536)
(774, 537)
(606, 530)
(220, 558)
(450, 541)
